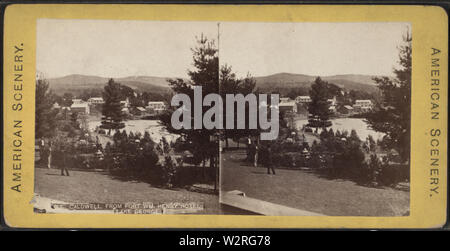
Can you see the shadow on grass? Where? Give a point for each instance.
(357, 177)
(259, 172)
(184, 176)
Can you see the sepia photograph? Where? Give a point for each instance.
(240, 118)
(343, 142)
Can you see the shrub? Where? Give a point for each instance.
(169, 170)
(392, 174)
(291, 159)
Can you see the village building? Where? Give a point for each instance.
(303, 99)
(56, 106)
(96, 101)
(290, 106)
(346, 109)
(363, 105)
(81, 108)
(157, 106)
(285, 99)
(141, 109)
(78, 101)
(125, 103)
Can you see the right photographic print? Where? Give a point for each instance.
(327, 112)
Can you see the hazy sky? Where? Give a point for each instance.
(112, 48)
(317, 49)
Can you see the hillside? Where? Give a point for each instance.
(289, 80)
(77, 83)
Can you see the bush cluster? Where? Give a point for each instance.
(345, 156)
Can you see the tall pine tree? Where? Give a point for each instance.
(206, 75)
(319, 107)
(112, 108)
(393, 117)
(45, 123)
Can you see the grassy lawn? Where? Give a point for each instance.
(82, 186)
(306, 191)
(293, 188)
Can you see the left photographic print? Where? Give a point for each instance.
(104, 142)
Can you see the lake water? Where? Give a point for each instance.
(348, 124)
(153, 127)
(157, 131)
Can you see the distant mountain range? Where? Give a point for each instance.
(77, 83)
(290, 80)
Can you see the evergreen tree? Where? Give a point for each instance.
(66, 100)
(393, 115)
(112, 108)
(230, 84)
(319, 105)
(45, 123)
(206, 75)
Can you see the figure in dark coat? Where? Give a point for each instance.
(269, 161)
(64, 162)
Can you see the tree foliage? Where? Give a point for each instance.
(230, 84)
(206, 75)
(45, 123)
(112, 108)
(393, 116)
(319, 106)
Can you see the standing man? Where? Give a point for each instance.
(64, 164)
(256, 154)
(249, 144)
(251, 153)
(49, 158)
(269, 161)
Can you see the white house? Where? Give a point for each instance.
(363, 105)
(303, 99)
(125, 103)
(290, 106)
(283, 100)
(157, 106)
(347, 109)
(96, 100)
(78, 101)
(82, 108)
